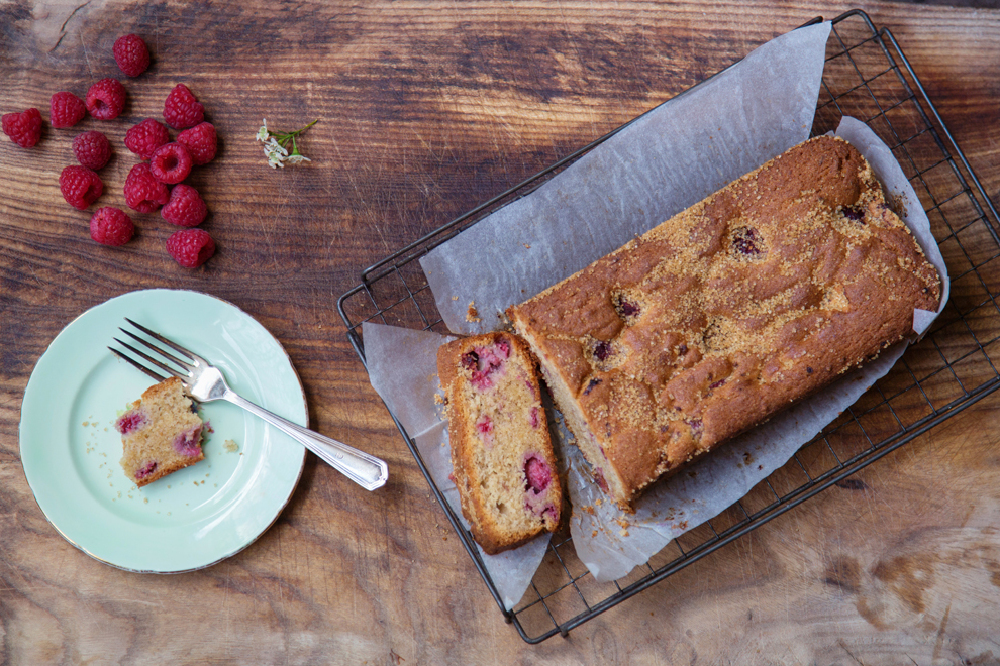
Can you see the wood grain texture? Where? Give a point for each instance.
(427, 109)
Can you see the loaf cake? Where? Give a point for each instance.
(504, 465)
(723, 315)
(161, 433)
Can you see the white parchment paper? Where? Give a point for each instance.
(670, 159)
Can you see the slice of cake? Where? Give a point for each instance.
(161, 433)
(728, 312)
(505, 468)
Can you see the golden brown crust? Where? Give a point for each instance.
(728, 312)
(495, 426)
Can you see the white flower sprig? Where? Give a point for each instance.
(276, 145)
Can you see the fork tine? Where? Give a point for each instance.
(165, 354)
(160, 364)
(158, 377)
(170, 343)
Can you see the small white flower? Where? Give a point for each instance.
(275, 156)
(262, 133)
(273, 145)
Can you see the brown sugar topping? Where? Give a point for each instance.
(721, 316)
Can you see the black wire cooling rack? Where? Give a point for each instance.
(955, 365)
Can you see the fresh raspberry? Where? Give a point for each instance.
(25, 128)
(131, 55)
(111, 226)
(185, 208)
(171, 163)
(143, 139)
(201, 141)
(92, 149)
(67, 109)
(80, 186)
(106, 99)
(182, 109)
(143, 192)
(191, 247)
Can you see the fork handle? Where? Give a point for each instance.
(364, 469)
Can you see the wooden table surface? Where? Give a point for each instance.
(427, 109)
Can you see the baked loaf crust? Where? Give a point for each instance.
(161, 433)
(505, 468)
(723, 315)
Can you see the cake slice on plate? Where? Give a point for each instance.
(161, 433)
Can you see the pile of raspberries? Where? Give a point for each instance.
(148, 184)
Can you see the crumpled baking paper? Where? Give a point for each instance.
(659, 165)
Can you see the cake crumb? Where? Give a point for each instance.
(593, 534)
(624, 533)
(86, 423)
(230, 446)
(526, 246)
(473, 314)
(145, 500)
(438, 400)
(454, 298)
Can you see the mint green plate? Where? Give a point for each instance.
(189, 519)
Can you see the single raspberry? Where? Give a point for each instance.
(185, 208)
(143, 139)
(537, 474)
(143, 192)
(24, 129)
(182, 109)
(67, 109)
(201, 141)
(191, 247)
(106, 99)
(111, 226)
(147, 469)
(80, 186)
(131, 421)
(171, 163)
(748, 242)
(92, 149)
(131, 55)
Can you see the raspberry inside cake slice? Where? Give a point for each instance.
(505, 467)
(161, 433)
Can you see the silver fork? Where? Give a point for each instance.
(205, 383)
